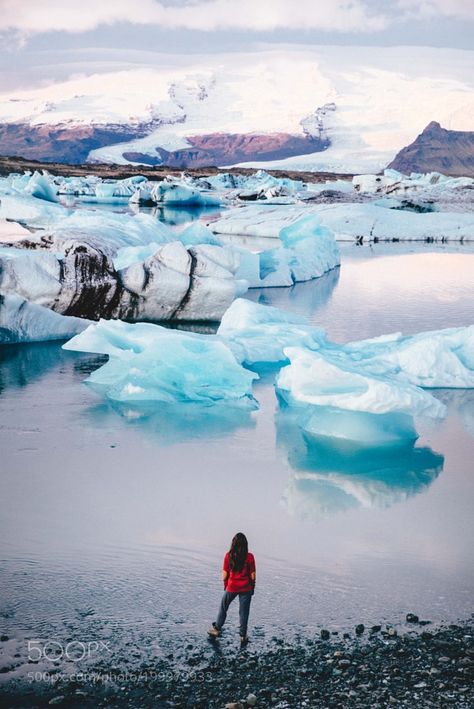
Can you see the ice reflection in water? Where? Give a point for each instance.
(336, 477)
(169, 424)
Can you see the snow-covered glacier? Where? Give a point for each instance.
(151, 363)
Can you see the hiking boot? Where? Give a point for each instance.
(243, 640)
(214, 631)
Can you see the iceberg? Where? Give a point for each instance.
(174, 283)
(151, 363)
(434, 359)
(258, 334)
(21, 321)
(349, 222)
(307, 251)
(41, 187)
(338, 400)
(178, 193)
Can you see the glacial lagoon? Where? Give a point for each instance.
(114, 519)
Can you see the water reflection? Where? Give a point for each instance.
(330, 478)
(169, 424)
(305, 298)
(177, 216)
(22, 364)
(461, 401)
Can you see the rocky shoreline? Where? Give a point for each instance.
(376, 667)
(9, 164)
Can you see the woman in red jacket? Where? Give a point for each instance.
(238, 575)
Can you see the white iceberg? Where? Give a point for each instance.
(178, 193)
(152, 363)
(349, 222)
(341, 401)
(174, 283)
(21, 321)
(434, 359)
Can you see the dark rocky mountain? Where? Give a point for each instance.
(63, 143)
(437, 149)
(229, 148)
(72, 143)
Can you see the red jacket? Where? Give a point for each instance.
(239, 581)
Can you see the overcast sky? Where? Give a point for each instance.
(48, 40)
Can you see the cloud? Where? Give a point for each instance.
(429, 9)
(31, 17)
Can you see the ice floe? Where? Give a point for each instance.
(258, 334)
(22, 321)
(340, 401)
(349, 222)
(152, 363)
(307, 251)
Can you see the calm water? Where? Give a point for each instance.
(114, 522)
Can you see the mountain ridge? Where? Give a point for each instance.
(438, 149)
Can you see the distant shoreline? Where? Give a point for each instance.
(10, 164)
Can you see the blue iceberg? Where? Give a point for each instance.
(258, 334)
(340, 401)
(151, 363)
(307, 251)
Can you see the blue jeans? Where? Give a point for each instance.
(244, 609)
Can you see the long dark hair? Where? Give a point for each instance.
(238, 551)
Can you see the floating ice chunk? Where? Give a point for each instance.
(197, 233)
(26, 209)
(258, 334)
(339, 400)
(21, 321)
(440, 358)
(308, 250)
(142, 195)
(40, 186)
(349, 222)
(151, 363)
(179, 193)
